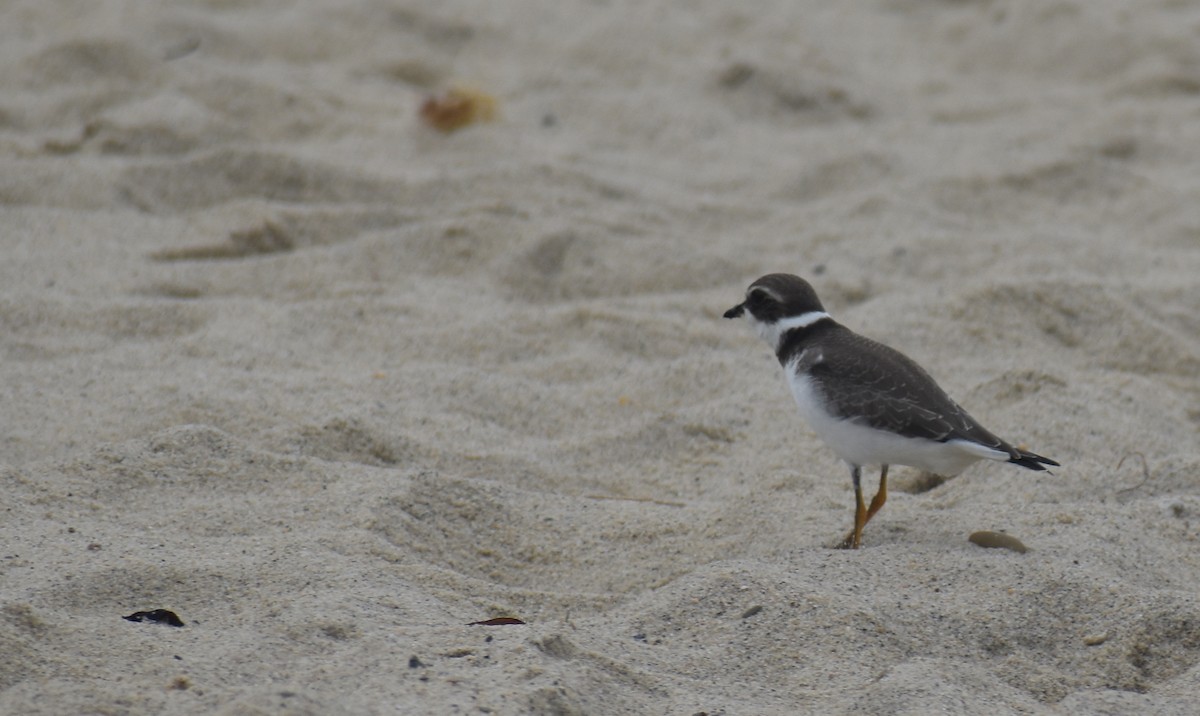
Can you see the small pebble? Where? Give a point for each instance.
(160, 616)
(1095, 639)
(997, 539)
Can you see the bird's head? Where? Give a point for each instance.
(777, 303)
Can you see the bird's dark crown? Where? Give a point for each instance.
(776, 296)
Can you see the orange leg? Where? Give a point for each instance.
(862, 513)
(880, 496)
(854, 539)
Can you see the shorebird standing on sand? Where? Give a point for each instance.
(870, 403)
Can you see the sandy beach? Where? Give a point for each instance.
(340, 389)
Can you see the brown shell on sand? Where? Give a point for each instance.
(458, 107)
(985, 538)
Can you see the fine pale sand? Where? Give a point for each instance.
(331, 385)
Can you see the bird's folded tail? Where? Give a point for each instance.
(1031, 460)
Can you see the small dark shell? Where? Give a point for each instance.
(161, 616)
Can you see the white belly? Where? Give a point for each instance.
(861, 445)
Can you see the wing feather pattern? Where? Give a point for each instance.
(878, 386)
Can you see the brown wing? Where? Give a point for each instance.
(875, 385)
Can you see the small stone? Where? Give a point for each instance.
(993, 540)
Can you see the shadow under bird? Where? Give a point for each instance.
(870, 403)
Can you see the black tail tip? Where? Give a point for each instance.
(1033, 461)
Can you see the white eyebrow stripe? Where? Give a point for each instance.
(804, 320)
(766, 291)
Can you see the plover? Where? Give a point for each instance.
(870, 403)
